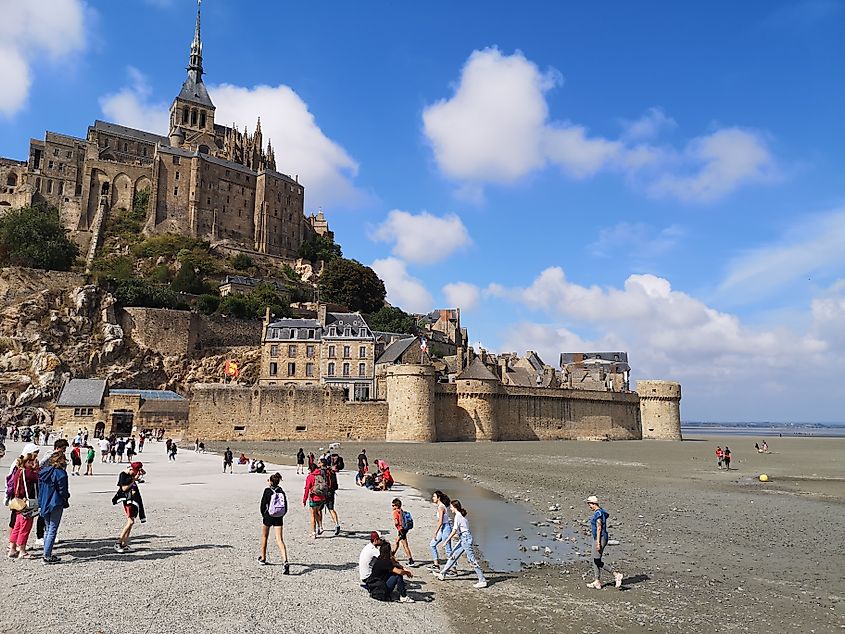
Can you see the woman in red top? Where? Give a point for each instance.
(25, 487)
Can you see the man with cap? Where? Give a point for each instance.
(368, 555)
(133, 505)
(598, 527)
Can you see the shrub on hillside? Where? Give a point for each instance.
(241, 262)
(34, 237)
(208, 304)
(117, 267)
(138, 292)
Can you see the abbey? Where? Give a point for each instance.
(204, 179)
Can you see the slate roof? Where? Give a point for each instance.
(295, 323)
(132, 133)
(152, 395)
(395, 350)
(478, 371)
(194, 90)
(82, 393)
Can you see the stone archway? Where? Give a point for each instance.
(121, 192)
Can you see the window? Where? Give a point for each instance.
(301, 428)
(362, 352)
(274, 369)
(330, 371)
(347, 332)
(291, 369)
(61, 168)
(176, 160)
(274, 350)
(61, 187)
(309, 351)
(345, 369)
(144, 151)
(125, 147)
(331, 352)
(50, 164)
(175, 191)
(362, 369)
(69, 154)
(311, 334)
(176, 177)
(49, 187)
(309, 369)
(333, 331)
(292, 351)
(347, 352)
(208, 201)
(55, 152)
(362, 332)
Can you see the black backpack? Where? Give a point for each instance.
(378, 589)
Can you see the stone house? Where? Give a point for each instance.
(602, 371)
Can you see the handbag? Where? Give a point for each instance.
(28, 507)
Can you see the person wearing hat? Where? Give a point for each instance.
(368, 556)
(598, 527)
(133, 505)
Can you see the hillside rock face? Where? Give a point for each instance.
(54, 326)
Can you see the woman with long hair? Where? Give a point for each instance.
(442, 528)
(274, 506)
(24, 487)
(461, 529)
(53, 496)
(389, 571)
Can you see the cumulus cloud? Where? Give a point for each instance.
(422, 238)
(302, 149)
(403, 290)
(30, 31)
(462, 295)
(496, 128)
(814, 245)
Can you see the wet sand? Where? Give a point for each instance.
(702, 550)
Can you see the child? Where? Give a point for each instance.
(89, 461)
(403, 532)
(75, 459)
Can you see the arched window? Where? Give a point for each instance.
(12, 179)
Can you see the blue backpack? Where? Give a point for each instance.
(407, 521)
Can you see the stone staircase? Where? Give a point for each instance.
(96, 232)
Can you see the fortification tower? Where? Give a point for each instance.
(660, 409)
(410, 402)
(479, 391)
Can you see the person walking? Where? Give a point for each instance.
(172, 451)
(300, 462)
(363, 462)
(460, 529)
(24, 501)
(133, 505)
(142, 438)
(75, 459)
(727, 458)
(331, 476)
(442, 528)
(130, 449)
(598, 528)
(274, 506)
(89, 461)
(315, 494)
(403, 523)
(390, 573)
(228, 459)
(53, 498)
(104, 449)
(720, 455)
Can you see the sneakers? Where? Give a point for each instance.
(39, 543)
(52, 559)
(411, 562)
(406, 599)
(337, 530)
(595, 585)
(439, 576)
(319, 530)
(118, 548)
(617, 576)
(262, 562)
(286, 571)
(480, 584)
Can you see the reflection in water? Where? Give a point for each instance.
(493, 521)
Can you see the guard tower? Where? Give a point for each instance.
(660, 409)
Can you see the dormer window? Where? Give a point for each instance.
(347, 332)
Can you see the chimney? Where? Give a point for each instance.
(321, 314)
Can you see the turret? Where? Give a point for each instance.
(410, 397)
(479, 392)
(660, 409)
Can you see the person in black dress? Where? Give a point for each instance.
(271, 518)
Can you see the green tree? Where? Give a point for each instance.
(112, 266)
(352, 284)
(208, 304)
(320, 248)
(241, 262)
(236, 306)
(187, 281)
(34, 237)
(138, 292)
(392, 319)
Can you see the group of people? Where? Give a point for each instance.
(723, 457)
(381, 480)
(764, 448)
(35, 434)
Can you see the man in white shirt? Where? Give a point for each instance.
(105, 446)
(368, 555)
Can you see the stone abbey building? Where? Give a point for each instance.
(204, 179)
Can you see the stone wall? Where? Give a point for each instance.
(223, 412)
(215, 331)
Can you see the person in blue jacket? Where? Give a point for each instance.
(53, 496)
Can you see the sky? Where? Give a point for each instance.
(661, 178)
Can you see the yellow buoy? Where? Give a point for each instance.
(764, 478)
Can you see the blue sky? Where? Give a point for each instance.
(663, 178)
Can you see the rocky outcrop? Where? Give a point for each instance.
(54, 326)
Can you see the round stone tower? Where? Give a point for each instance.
(410, 402)
(478, 395)
(660, 409)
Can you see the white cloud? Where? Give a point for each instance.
(462, 295)
(637, 241)
(30, 31)
(422, 238)
(718, 164)
(403, 289)
(130, 106)
(816, 244)
(302, 149)
(496, 128)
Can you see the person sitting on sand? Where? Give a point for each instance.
(368, 556)
(389, 571)
(259, 467)
(765, 447)
(598, 527)
(757, 447)
(243, 459)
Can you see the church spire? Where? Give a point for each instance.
(196, 48)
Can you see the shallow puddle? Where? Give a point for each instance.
(501, 529)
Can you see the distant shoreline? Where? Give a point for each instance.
(787, 431)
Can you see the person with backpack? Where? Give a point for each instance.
(460, 528)
(228, 459)
(172, 452)
(300, 462)
(274, 506)
(403, 522)
(331, 476)
(316, 492)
